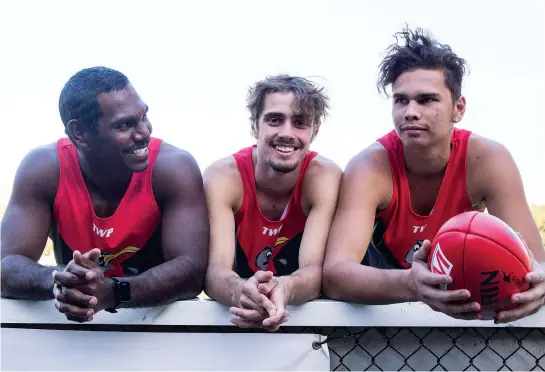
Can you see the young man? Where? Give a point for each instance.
(126, 212)
(271, 206)
(413, 180)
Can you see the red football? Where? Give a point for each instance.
(483, 255)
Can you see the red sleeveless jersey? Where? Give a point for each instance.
(263, 244)
(399, 228)
(124, 236)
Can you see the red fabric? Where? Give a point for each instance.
(405, 230)
(261, 239)
(119, 236)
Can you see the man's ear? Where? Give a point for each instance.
(315, 131)
(255, 132)
(78, 132)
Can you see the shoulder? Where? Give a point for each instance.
(175, 172)
(222, 180)
(368, 170)
(486, 157)
(479, 148)
(171, 158)
(372, 159)
(320, 167)
(38, 172)
(488, 161)
(224, 169)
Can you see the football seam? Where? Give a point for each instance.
(467, 232)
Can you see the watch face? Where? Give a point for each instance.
(124, 291)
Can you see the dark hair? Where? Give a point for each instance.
(310, 99)
(79, 97)
(421, 50)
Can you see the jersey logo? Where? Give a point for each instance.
(410, 253)
(262, 259)
(439, 262)
(417, 229)
(106, 257)
(103, 232)
(272, 232)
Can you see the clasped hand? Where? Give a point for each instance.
(81, 290)
(262, 302)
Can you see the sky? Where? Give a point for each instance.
(192, 62)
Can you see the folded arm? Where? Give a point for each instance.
(25, 228)
(178, 187)
(320, 189)
(494, 176)
(365, 187)
(222, 187)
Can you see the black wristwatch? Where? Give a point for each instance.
(122, 293)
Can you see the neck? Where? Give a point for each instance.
(108, 180)
(273, 183)
(427, 161)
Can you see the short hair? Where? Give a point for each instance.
(79, 97)
(310, 98)
(421, 51)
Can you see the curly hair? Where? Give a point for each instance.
(421, 51)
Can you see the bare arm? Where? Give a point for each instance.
(366, 185)
(25, 227)
(220, 182)
(185, 233)
(321, 187)
(494, 175)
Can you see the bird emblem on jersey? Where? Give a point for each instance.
(262, 259)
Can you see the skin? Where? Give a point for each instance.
(260, 301)
(421, 99)
(80, 288)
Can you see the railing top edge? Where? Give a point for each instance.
(205, 312)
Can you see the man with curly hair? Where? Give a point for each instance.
(397, 192)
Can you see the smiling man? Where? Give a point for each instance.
(271, 206)
(399, 191)
(126, 212)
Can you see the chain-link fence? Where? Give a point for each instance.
(430, 349)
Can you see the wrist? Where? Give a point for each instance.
(288, 284)
(405, 281)
(109, 301)
(237, 292)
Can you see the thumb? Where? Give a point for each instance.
(263, 276)
(93, 254)
(266, 288)
(423, 252)
(87, 260)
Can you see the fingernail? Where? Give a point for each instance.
(89, 275)
(93, 301)
(516, 299)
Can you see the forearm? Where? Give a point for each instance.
(25, 279)
(174, 280)
(304, 284)
(356, 283)
(223, 285)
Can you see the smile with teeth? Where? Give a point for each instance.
(284, 149)
(140, 152)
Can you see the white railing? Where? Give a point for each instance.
(320, 335)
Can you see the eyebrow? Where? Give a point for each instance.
(418, 95)
(128, 118)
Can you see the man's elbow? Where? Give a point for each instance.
(194, 280)
(330, 282)
(8, 290)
